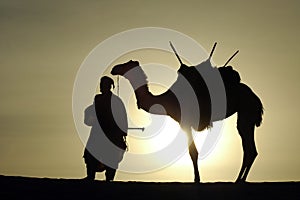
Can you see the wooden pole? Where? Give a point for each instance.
(230, 58)
(173, 48)
(212, 51)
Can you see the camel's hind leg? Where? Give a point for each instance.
(246, 131)
(193, 154)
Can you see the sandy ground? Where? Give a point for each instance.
(46, 188)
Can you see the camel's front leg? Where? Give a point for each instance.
(194, 156)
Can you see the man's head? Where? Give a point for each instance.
(105, 84)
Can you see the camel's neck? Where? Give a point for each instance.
(139, 83)
(145, 99)
(138, 80)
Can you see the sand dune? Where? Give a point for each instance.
(46, 188)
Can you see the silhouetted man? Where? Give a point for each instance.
(107, 142)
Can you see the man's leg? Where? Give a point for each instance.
(110, 174)
(90, 172)
(90, 166)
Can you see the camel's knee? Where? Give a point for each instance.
(193, 152)
(254, 155)
(192, 148)
(193, 155)
(250, 157)
(252, 150)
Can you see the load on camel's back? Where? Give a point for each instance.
(230, 76)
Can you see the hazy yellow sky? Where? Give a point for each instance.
(43, 44)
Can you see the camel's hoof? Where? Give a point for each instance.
(197, 180)
(240, 181)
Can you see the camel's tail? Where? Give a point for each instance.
(260, 112)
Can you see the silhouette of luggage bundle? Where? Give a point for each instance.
(229, 75)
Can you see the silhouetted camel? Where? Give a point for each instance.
(188, 101)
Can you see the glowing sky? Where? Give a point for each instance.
(43, 44)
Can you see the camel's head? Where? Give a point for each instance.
(122, 69)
